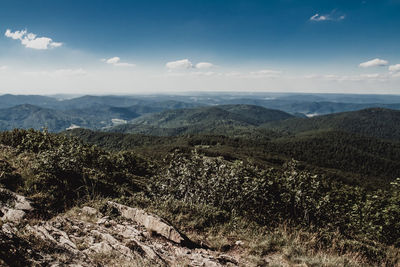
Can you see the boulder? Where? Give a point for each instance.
(150, 221)
(14, 216)
(14, 207)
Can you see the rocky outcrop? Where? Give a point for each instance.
(150, 221)
(13, 207)
(88, 237)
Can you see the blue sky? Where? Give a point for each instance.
(121, 46)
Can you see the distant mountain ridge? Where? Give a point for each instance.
(220, 114)
(309, 104)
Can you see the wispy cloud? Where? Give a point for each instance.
(116, 61)
(4, 67)
(333, 16)
(368, 77)
(30, 40)
(265, 73)
(58, 73)
(377, 62)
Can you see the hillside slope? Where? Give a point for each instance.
(216, 201)
(28, 116)
(374, 122)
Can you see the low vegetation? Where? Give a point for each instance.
(280, 211)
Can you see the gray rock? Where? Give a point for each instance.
(150, 221)
(14, 216)
(77, 239)
(102, 247)
(15, 209)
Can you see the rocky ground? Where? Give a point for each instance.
(113, 235)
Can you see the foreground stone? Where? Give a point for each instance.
(13, 207)
(150, 221)
(86, 237)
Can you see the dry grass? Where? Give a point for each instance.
(113, 259)
(281, 246)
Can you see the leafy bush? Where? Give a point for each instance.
(8, 177)
(271, 197)
(65, 171)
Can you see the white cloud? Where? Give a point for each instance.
(3, 67)
(333, 16)
(394, 68)
(377, 62)
(204, 65)
(318, 17)
(56, 44)
(30, 40)
(179, 64)
(116, 61)
(186, 64)
(17, 35)
(113, 60)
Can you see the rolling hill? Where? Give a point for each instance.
(92, 115)
(29, 116)
(8, 100)
(374, 122)
(221, 119)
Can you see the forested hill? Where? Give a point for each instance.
(91, 116)
(29, 116)
(234, 114)
(216, 119)
(351, 158)
(374, 122)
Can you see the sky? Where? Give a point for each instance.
(160, 46)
